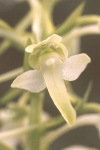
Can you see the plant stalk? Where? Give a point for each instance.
(33, 138)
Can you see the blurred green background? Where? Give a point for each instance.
(13, 12)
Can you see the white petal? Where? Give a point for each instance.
(31, 80)
(74, 66)
(51, 67)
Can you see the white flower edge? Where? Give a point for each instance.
(74, 66)
(31, 80)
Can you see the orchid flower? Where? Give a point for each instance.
(52, 66)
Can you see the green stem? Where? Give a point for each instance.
(48, 27)
(36, 107)
(81, 31)
(89, 108)
(26, 66)
(5, 147)
(33, 138)
(70, 22)
(88, 19)
(10, 75)
(50, 125)
(17, 132)
(45, 127)
(10, 96)
(25, 22)
(20, 27)
(84, 120)
(18, 40)
(4, 45)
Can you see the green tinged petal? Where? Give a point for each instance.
(51, 68)
(36, 48)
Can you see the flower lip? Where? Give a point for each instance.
(51, 69)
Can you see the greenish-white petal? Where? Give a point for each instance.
(50, 40)
(51, 68)
(74, 66)
(31, 80)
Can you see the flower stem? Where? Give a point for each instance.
(11, 74)
(33, 138)
(85, 120)
(20, 27)
(87, 19)
(15, 38)
(9, 96)
(81, 31)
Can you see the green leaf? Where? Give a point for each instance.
(10, 75)
(89, 108)
(53, 124)
(50, 3)
(19, 112)
(3, 46)
(7, 32)
(16, 39)
(5, 147)
(4, 25)
(87, 19)
(71, 21)
(20, 27)
(10, 95)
